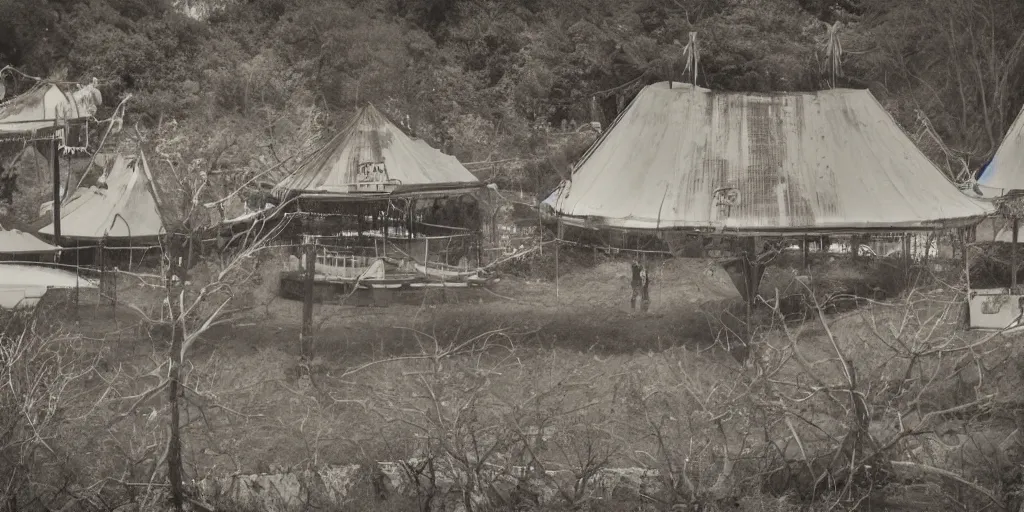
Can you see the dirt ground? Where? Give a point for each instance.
(576, 342)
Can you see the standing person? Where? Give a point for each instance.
(639, 285)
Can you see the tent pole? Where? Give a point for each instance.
(55, 157)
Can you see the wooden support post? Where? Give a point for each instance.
(103, 270)
(906, 254)
(113, 296)
(387, 224)
(306, 337)
(806, 252)
(1013, 257)
(411, 205)
(751, 270)
(55, 155)
(479, 248)
(78, 270)
(360, 213)
(752, 280)
(558, 242)
(965, 254)
(928, 248)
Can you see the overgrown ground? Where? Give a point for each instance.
(656, 390)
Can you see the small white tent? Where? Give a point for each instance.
(124, 207)
(372, 155)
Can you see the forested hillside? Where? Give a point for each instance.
(497, 79)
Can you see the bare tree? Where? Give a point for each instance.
(203, 286)
(42, 369)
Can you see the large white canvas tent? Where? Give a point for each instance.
(683, 157)
(372, 156)
(124, 207)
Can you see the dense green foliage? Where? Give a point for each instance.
(493, 79)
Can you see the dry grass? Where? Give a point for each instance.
(257, 412)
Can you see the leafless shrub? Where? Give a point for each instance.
(483, 431)
(849, 416)
(42, 369)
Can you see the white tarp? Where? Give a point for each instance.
(686, 157)
(13, 241)
(23, 285)
(46, 106)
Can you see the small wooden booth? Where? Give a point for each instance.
(383, 210)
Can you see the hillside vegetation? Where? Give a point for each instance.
(494, 79)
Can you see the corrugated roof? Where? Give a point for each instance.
(1005, 172)
(373, 156)
(46, 106)
(686, 157)
(126, 208)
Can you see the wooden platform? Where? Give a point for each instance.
(410, 290)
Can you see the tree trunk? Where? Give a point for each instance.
(175, 468)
